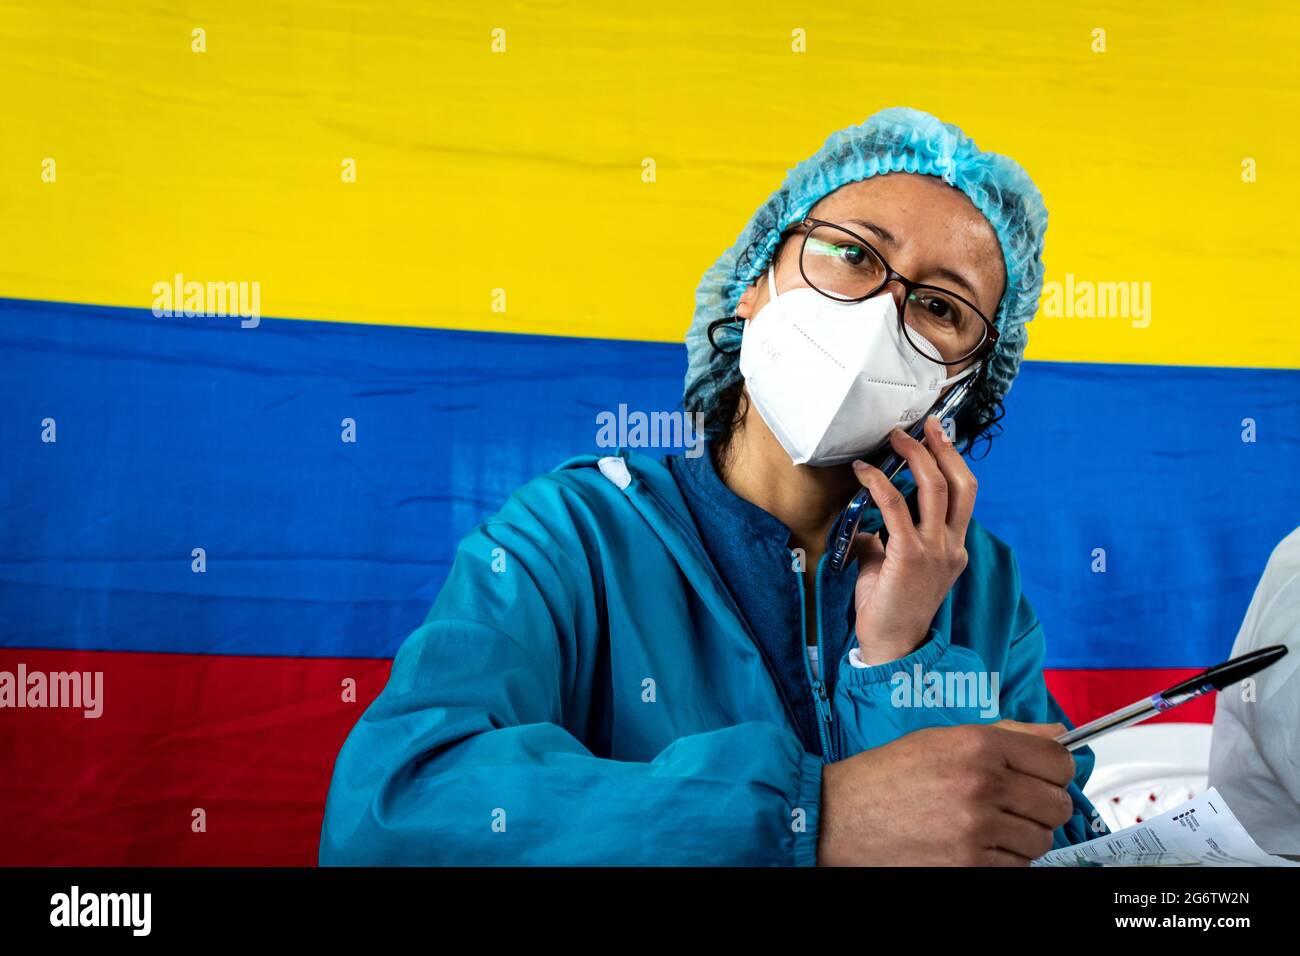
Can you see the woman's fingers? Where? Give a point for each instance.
(890, 501)
(931, 485)
(960, 479)
(868, 548)
(1038, 730)
(945, 485)
(1024, 838)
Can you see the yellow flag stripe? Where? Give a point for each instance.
(573, 170)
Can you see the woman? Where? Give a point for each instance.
(625, 665)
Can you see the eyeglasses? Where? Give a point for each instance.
(843, 266)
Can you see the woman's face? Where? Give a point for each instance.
(927, 230)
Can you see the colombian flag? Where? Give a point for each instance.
(296, 293)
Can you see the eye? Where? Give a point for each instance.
(846, 253)
(938, 308)
(853, 254)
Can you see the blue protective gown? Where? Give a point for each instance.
(586, 690)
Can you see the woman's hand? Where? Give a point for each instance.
(901, 586)
(971, 795)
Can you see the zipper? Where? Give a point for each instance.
(824, 663)
(826, 718)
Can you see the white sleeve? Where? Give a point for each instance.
(1255, 743)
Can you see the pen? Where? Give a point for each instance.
(1216, 678)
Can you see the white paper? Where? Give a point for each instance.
(1200, 832)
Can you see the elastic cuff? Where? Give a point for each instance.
(931, 649)
(810, 801)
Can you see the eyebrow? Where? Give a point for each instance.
(941, 271)
(880, 231)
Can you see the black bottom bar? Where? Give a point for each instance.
(440, 906)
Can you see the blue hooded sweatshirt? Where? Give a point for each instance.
(587, 690)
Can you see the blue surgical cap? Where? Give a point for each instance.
(892, 141)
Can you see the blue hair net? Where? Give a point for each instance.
(893, 140)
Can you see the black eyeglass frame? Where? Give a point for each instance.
(991, 333)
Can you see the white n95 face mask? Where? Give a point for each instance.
(832, 379)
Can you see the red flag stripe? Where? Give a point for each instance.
(250, 742)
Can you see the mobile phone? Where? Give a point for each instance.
(846, 527)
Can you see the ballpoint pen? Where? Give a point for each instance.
(1216, 678)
